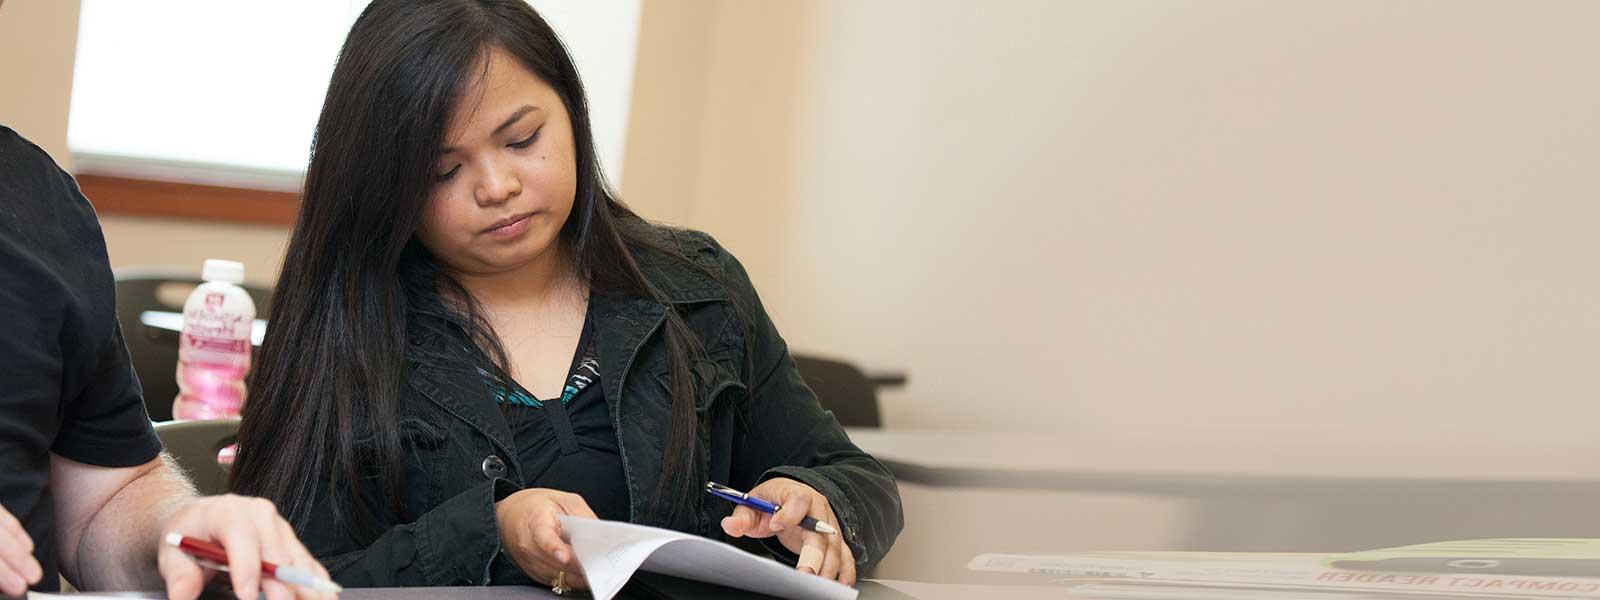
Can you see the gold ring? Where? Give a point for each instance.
(560, 587)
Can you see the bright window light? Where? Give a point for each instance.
(228, 93)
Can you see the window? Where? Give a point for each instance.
(228, 93)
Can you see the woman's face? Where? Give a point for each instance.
(506, 176)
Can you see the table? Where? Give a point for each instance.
(1262, 493)
(1249, 466)
(870, 590)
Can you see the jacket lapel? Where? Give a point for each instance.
(466, 396)
(625, 325)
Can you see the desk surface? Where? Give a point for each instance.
(870, 590)
(1032, 461)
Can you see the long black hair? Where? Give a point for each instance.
(357, 284)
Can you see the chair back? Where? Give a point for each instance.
(841, 388)
(195, 444)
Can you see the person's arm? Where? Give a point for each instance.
(64, 359)
(789, 439)
(110, 522)
(451, 544)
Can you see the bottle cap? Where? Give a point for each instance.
(226, 271)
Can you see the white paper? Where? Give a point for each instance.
(610, 552)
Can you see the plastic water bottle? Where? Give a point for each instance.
(214, 349)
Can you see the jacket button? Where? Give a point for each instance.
(493, 467)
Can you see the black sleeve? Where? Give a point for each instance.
(790, 435)
(106, 425)
(454, 544)
(59, 299)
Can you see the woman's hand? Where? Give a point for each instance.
(822, 554)
(18, 569)
(530, 531)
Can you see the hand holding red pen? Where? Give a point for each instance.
(212, 556)
(250, 531)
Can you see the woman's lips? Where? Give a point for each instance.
(509, 227)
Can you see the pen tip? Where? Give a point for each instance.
(174, 539)
(826, 528)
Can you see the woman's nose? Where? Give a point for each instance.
(499, 184)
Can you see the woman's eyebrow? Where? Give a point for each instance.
(516, 116)
(512, 120)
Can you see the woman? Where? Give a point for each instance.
(472, 336)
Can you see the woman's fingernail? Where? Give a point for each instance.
(561, 556)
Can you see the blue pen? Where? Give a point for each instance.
(738, 497)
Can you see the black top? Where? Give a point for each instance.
(569, 444)
(66, 383)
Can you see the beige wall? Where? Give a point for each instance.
(1361, 222)
(1366, 220)
(134, 241)
(668, 111)
(37, 40)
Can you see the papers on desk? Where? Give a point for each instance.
(610, 552)
(1528, 568)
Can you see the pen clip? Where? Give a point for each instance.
(718, 488)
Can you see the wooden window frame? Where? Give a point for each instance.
(151, 197)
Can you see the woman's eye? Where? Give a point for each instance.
(528, 142)
(451, 173)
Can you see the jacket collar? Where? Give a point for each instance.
(677, 278)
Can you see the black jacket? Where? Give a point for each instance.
(758, 420)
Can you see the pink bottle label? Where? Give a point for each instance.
(213, 358)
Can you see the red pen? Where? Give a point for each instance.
(214, 557)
